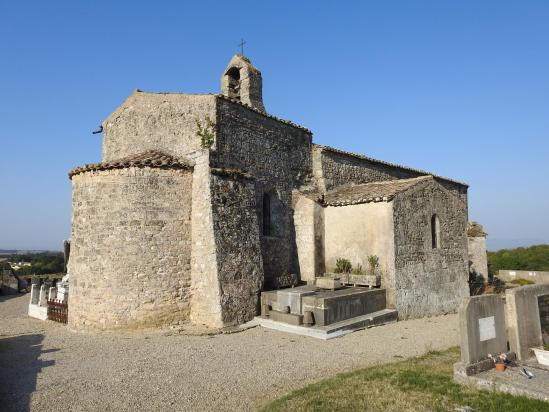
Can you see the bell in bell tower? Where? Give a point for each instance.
(242, 81)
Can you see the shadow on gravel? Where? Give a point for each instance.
(19, 367)
(4, 297)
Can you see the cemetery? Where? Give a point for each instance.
(504, 342)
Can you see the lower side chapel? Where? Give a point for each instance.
(203, 201)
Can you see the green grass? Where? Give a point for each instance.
(522, 282)
(420, 384)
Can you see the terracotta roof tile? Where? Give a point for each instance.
(150, 158)
(384, 191)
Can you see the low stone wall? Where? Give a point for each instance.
(130, 249)
(536, 276)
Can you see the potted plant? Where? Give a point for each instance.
(499, 361)
(355, 275)
(373, 261)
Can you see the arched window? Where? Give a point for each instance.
(234, 82)
(435, 232)
(266, 214)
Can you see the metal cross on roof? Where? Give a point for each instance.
(242, 43)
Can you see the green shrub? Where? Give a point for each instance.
(343, 266)
(529, 258)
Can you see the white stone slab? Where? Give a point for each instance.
(38, 312)
(487, 328)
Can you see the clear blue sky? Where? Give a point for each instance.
(459, 88)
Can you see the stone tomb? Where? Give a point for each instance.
(527, 318)
(38, 305)
(482, 328)
(483, 332)
(321, 313)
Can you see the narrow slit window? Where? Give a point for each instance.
(435, 232)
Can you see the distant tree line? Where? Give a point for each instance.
(41, 263)
(522, 258)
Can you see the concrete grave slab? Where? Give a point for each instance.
(292, 297)
(338, 305)
(333, 330)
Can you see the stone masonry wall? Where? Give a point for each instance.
(278, 156)
(338, 169)
(309, 228)
(239, 262)
(333, 169)
(478, 260)
(156, 121)
(130, 248)
(205, 290)
(429, 281)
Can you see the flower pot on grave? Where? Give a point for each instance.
(500, 367)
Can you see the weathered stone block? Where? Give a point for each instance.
(482, 328)
(524, 322)
(334, 306)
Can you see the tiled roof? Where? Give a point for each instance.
(382, 162)
(150, 158)
(384, 191)
(278, 119)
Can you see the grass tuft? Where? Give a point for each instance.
(417, 384)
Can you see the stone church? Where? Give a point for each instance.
(202, 201)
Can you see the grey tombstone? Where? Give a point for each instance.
(482, 328)
(524, 317)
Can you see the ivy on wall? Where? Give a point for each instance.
(206, 132)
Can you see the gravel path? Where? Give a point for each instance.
(45, 367)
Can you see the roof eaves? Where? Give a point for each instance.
(150, 158)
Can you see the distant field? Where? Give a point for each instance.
(419, 384)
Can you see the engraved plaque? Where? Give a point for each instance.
(487, 328)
